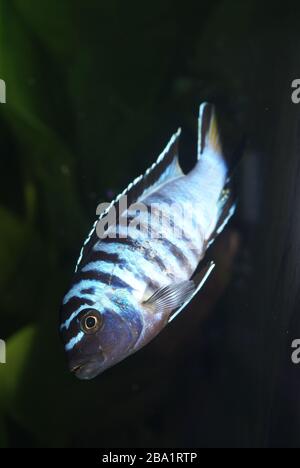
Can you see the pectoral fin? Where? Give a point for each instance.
(170, 297)
(198, 282)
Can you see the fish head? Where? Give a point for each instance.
(96, 336)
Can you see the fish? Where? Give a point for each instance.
(131, 280)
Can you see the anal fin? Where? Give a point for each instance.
(226, 208)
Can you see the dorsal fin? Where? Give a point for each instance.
(165, 169)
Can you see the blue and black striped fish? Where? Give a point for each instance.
(128, 286)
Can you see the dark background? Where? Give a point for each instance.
(94, 91)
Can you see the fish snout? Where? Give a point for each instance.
(89, 368)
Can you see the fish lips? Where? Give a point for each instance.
(88, 369)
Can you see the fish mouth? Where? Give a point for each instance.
(86, 370)
(77, 368)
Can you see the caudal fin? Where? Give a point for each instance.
(208, 132)
(210, 154)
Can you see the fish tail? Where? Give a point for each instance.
(209, 141)
(213, 170)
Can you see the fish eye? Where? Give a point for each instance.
(91, 322)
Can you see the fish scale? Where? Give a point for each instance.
(127, 287)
